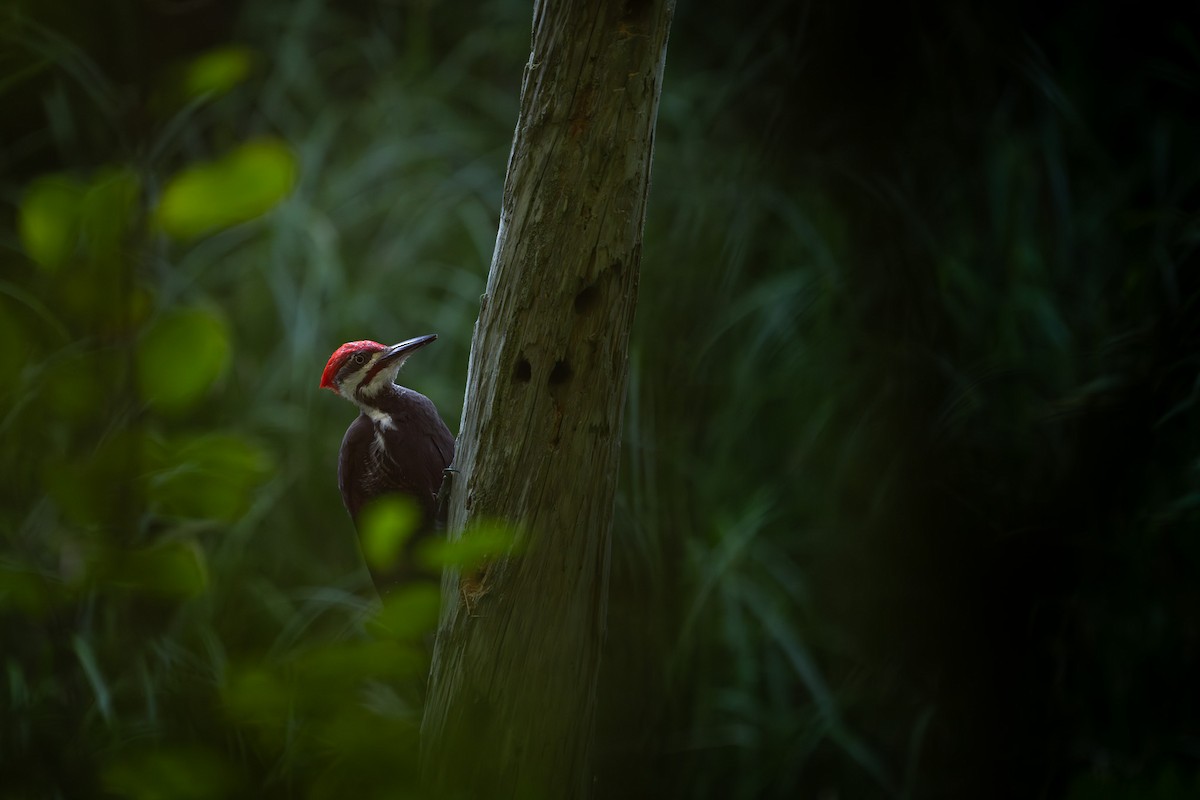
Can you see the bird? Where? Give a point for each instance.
(398, 444)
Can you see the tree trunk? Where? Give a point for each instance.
(512, 693)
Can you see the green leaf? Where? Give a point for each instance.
(386, 524)
(217, 71)
(211, 476)
(482, 542)
(180, 357)
(240, 186)
(48, 220)
(255, 695)
(172, 773)
(175, 568)
(97, 487)
(28, 591)
(77, 382)
(347, 662)
(108, 212)
(408, 614)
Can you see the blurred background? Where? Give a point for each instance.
(911, 476)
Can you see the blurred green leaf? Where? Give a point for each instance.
(480, 543)
(48, 220)
(210, 476)
(175, 568)
(217, 71)
(409, 613)
(317, 681)
(387, 523)
(28, 591)
(375, 757)
(76, 383)
(180, 357)
(172, 773)
(353, 661)
(254, 695)
(240, 186)
(108, 213)
(99, 487)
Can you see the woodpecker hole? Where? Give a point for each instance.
(634, 10)
(585, 301)
(522, 373)
(560, 374)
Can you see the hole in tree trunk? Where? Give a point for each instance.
(522, 372)
(585, 301)
(560, 374)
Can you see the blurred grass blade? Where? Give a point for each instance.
(91, 669)
(784, 634)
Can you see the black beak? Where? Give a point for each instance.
(405, 348)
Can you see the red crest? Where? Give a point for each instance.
(334, 365)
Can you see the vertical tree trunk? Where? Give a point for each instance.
(512, 693)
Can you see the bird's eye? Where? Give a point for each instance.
(358, 358)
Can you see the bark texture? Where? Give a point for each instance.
(511, 705)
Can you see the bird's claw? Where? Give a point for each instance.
(445, 492)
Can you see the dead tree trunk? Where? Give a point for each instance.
(512, 693)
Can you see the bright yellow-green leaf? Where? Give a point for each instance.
(386, 524)
(240, 186)
(481, 543)
(180, 357)
(211, 476)
(48, 221)
(217, 71)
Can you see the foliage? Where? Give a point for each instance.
(913, 423)
(909, 490)
(183, 608)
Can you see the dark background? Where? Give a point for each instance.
(911, 480)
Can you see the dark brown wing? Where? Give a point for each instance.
(404, 457)
(356, 445)
(417, 448)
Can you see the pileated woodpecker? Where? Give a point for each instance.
(397, 445)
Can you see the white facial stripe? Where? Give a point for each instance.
(355, 387)
(383, 378)
(351, 375)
